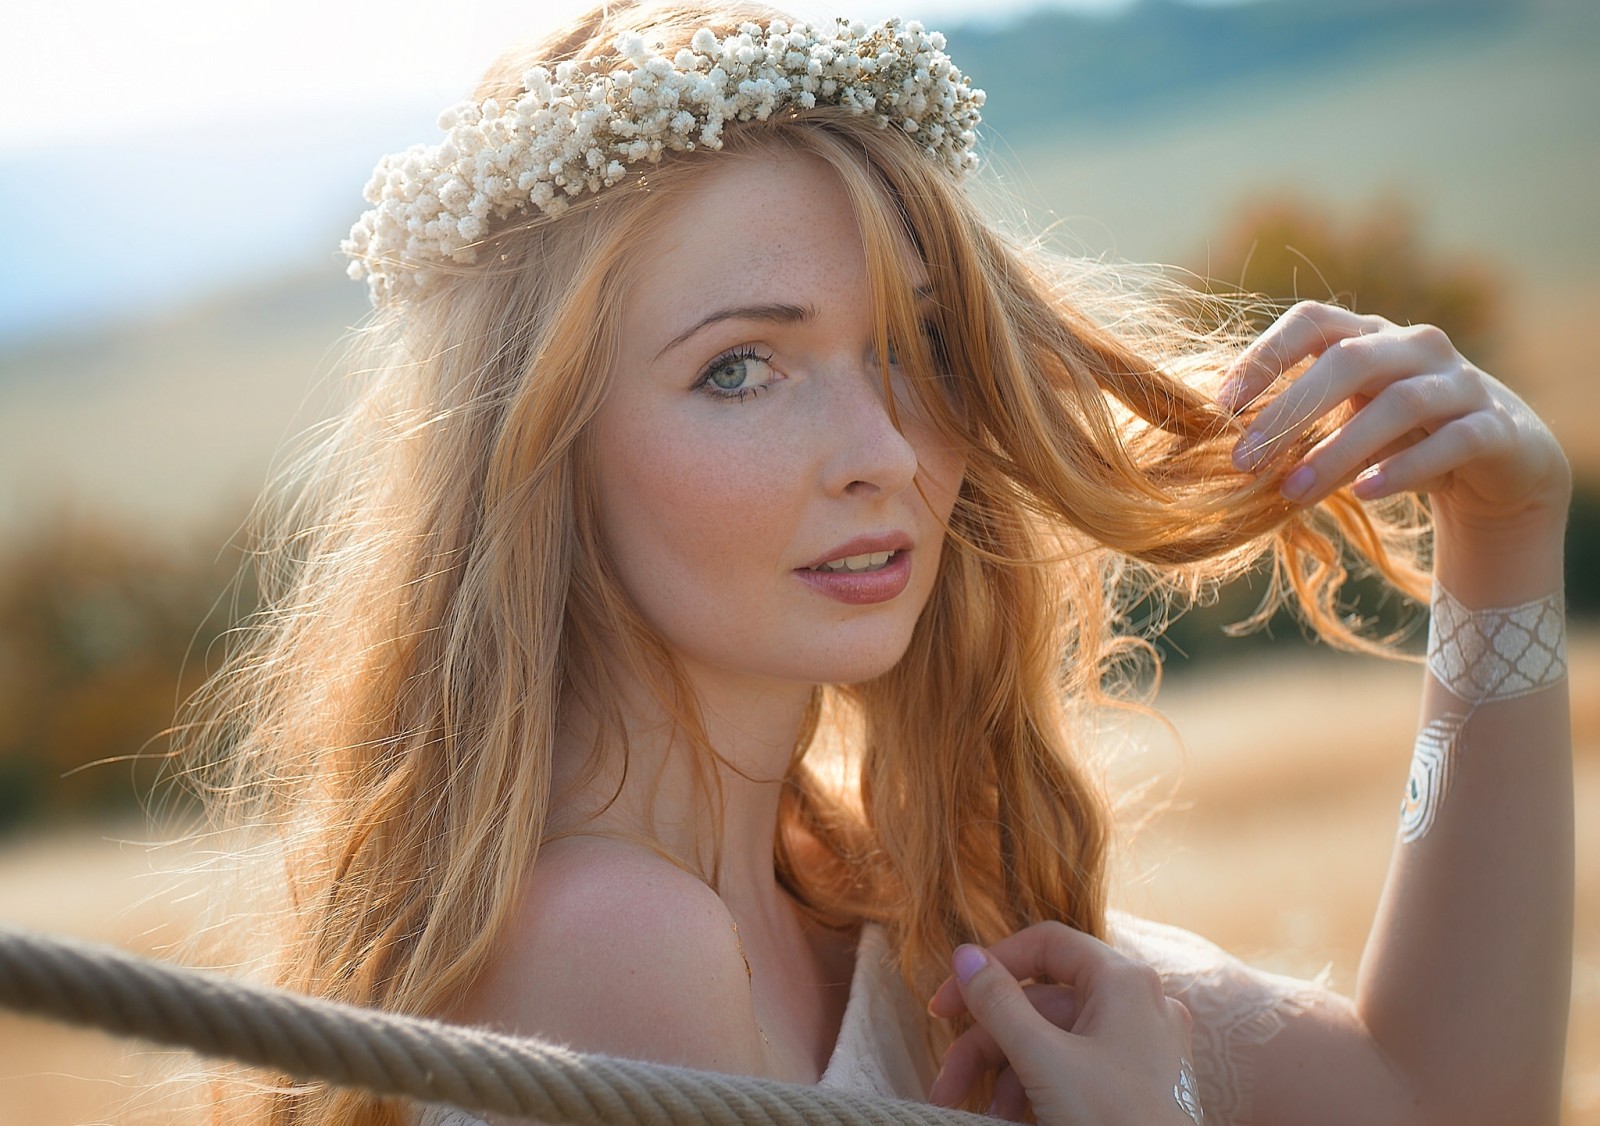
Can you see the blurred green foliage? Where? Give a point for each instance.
(1376, 260)
(103, 631)
(1583, 552)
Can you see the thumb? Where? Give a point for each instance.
(997, 1002)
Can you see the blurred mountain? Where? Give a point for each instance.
(1062, 68)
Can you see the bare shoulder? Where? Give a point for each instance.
(616, 950)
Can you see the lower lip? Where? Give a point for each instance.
(862, 588)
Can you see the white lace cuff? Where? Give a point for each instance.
(1236, 1008)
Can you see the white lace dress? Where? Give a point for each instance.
(1236, 1009)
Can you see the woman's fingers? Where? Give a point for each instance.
(1020, 1027)
(1357, 366)
(997, 1002)
(1116, 1062)
(1307, 329)
(1010, 1097)
(1409, 413)
(976, 1053)
(1401, 414)
(1417, 468)
(1044, 950)
(1033, 952)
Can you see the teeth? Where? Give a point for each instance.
(872, 561)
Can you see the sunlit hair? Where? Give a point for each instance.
(439, 595)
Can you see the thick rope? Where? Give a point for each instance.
(396, 1055)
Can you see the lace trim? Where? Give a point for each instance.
(1236, 1009)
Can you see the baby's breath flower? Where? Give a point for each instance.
(573, 131)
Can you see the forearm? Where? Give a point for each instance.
(1465, 979)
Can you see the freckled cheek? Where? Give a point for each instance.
(942, 467)
(700, 497)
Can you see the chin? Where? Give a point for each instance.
(861, 660)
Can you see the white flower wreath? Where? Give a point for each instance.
(575, 130)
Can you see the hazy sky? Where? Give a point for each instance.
(81, 70)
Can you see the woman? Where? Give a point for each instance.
(684, 641)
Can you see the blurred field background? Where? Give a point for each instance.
(172, 313)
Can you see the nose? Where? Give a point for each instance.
(867, 455)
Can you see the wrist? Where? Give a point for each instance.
(1509, 564)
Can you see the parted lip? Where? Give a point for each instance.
(862, 545)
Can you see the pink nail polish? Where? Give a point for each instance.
(968, 960)
(1244, 454)
(1369, 484)
(1298, 483)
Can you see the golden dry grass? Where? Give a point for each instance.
(1273, 845)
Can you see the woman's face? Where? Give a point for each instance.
(758, 503)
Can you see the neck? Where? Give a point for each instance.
(752, 726)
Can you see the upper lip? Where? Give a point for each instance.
(863, 545)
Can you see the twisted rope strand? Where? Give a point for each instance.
(478, 1071)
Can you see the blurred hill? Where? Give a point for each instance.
(1064, 68)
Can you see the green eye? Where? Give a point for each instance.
(729, 374)
(738, 374)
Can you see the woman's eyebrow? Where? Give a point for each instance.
(783, 314)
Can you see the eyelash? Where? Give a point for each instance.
(750, 352)
(737, 394)
(934, 339)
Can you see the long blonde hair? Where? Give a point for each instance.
(438, 594)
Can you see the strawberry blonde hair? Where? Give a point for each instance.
(438, 593)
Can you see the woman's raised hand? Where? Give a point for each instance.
(1095, 1043)
(1423, 419)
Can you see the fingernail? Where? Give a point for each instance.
(968, 960)
(1298, 483)
(1244, 454)
(1228, 395)
(1369, 484)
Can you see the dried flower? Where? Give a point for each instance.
(574, 130)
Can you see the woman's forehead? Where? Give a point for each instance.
(755, 227)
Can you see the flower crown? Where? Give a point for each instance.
(577, 129)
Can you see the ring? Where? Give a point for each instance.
(1187, 1092)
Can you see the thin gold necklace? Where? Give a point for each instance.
(750, 976)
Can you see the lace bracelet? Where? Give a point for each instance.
(1487, 655)
(1480, 656)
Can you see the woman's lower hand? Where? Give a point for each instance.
(1092, 1041)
